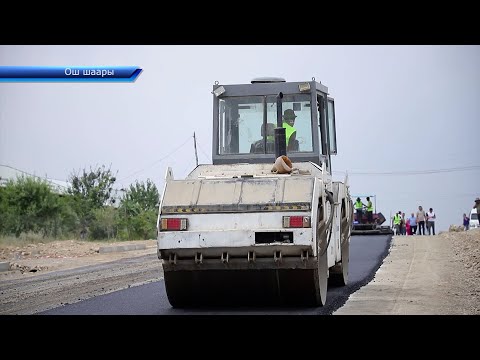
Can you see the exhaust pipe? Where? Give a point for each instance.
(280, 136)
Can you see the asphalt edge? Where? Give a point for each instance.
(342, 299)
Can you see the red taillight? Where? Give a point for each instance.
(173, 224)
(296, 221)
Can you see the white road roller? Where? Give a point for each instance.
(264, 224)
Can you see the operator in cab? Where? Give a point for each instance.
(290, 131)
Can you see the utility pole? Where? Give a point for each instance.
(195, 145)
(126, 215)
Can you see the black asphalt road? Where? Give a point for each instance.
(366, 256)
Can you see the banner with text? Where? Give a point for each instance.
(69, 73)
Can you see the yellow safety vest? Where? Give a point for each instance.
(358, 205)
(289, 130)
(396, 219)
(370, 206)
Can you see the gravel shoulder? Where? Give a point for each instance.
(424, 275)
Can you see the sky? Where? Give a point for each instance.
(408, 117)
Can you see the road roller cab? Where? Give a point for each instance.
(238, 231)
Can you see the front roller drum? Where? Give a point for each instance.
(220, 288)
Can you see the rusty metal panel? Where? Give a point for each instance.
(297, 189)
(258, 191)
(219, 192)
(238, 191)
(179, 193)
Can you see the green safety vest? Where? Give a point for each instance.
(396, 219)
(289, 130)
(370, 206)
(358, 205)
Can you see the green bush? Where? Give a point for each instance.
(138, 211)
(104, 224)
(28, 205)
(29, 209)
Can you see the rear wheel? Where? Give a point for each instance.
(339, 274)
(340, 278)
(321, 273)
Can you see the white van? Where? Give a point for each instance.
(474, 219)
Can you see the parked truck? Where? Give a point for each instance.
(265, 223)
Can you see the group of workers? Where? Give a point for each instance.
(401, 225)
(409, 225)
(359, 206)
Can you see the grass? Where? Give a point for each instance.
(24, 239)
(34, 238)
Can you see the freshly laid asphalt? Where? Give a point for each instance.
(366, 256)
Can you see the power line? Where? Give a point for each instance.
(204, 153)
(189, 165)
(159, 160)
(50, 180)
(414, 172)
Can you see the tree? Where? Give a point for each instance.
(91, 190)
(139, 210)
(145, 194)
(94, 186)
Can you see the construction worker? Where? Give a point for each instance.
(258, 147)
(359, 205)
(369, 211)
(397, 219)
(290, 132)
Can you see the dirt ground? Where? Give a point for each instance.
(424, 275)
(41, 258)
(46, 276)
(421, 275)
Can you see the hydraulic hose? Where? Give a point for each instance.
(350, 228)
(330, 218)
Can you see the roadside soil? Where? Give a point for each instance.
(424, 275)
(421, 275)
(45, 276)
(33, 259)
